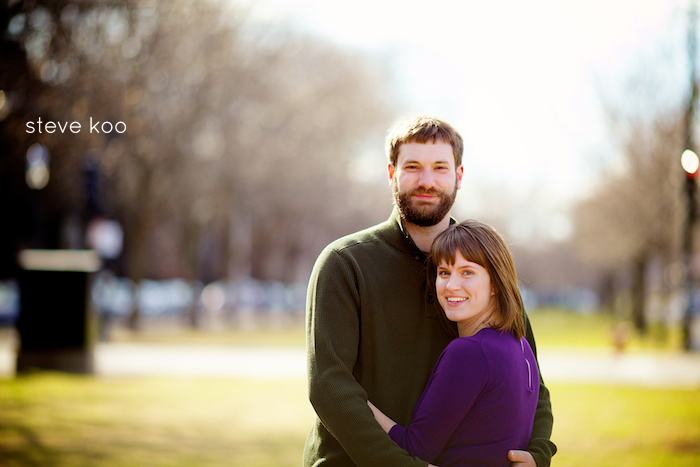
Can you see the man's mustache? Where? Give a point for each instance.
(430, 191)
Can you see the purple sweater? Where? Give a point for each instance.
(479, 403)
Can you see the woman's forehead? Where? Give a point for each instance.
(458, 259)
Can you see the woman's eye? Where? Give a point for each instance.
(443, 273)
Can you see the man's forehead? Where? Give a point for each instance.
(434, 152)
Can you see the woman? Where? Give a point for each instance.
(481, 397)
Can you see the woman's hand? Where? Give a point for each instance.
(521, 459)
(385, 422)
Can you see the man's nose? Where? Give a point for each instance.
(426, 180)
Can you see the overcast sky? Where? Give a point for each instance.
(518, 79)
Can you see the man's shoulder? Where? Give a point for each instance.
(371, 236)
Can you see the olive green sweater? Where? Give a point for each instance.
(374, 331)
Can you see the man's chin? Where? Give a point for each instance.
(421, 219)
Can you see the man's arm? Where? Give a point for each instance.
(541, 447)
(333, 338)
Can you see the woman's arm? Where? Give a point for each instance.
(385, 422)
(457, 380)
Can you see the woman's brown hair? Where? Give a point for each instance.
(482, 244)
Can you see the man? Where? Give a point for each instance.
(374, 328)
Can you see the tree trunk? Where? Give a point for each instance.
(606, 293)
(639, 293)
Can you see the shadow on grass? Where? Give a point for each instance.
(20, 445)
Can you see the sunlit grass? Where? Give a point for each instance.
(559, 328)
(54, 419)
(286, 334)
(606, 425)
(552, 327)
(64, 420)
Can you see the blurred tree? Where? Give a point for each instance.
(38, 66)
(239, 136)
(636, 213)
(631, 224)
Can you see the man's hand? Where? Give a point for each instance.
(521, 459)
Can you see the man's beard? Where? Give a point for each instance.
(424, 215)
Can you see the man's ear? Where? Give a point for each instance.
(392, 171)
(460, 174)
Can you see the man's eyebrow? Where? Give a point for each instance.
(416, 161)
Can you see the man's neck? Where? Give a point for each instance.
(423, 236)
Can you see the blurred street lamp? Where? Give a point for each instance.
(690, 163)
(106, 237)
(37, 177)
(37, 174)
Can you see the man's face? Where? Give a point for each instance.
(425, 182)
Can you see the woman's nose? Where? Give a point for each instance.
(453, 282)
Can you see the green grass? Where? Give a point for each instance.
(292, 336)
(56, 419)
(552, 327)
(605, 425)
(557, 328)
(65, 420)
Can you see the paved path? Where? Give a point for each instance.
(558, 365)
(656, 370)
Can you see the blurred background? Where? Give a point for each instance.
(223, 143)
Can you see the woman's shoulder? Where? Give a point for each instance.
(487, 341)
(472, 346)
(486, 336)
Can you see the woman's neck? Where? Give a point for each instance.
(469, 328)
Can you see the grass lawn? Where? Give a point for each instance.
(594, 332)
(552, 327)
(64, 420)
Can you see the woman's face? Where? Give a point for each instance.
(465, 294)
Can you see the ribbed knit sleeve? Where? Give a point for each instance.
(333, 334)
(541, 447)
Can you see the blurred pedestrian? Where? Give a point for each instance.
(620, 336)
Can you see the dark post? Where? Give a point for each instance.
(689, 162)
(691, 216)
(56, 325)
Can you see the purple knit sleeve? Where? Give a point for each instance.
(458, 377)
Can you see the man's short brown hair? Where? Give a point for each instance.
(423, 129)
